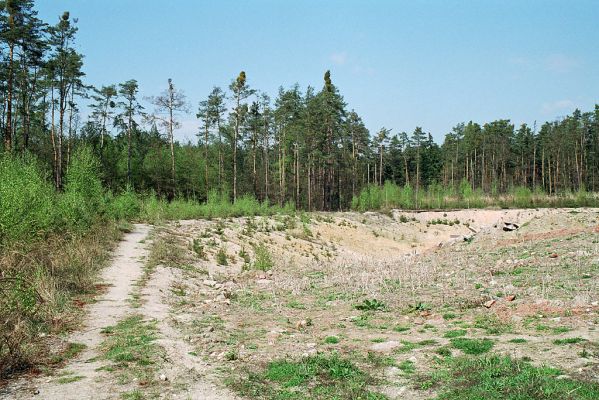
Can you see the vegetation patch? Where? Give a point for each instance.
(131, 349)
(501, 377)
(323, 376)
(472, 346)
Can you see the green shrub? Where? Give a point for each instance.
(82, 203)
(27, 201)
(125, 206)
(263, 261)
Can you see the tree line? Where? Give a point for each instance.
(304, 146)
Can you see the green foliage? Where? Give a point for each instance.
(501, 377)
(263, 260)
(371, 305)
(221, 257)
(323, 376)
(472, 346)
(82, 203)
(27, 201)
(125, 206)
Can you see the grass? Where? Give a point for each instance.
(323, 376)
(130, 347)
(472, 346)
(455, 333)
(69, 379)
(501, 377)
(573, 340)
(331, 340)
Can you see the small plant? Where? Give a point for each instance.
(244, 255)
(455, 333)
(449, 315)
(198, 248)
(518, 340)
(371, 305)
(221, 257)
(472, 346)
(231, 355)
(419, 307)
(572, 340)
(263, 261)
(331, 340)
(403, 219)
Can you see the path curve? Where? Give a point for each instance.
(125, 268)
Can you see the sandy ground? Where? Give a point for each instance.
(218, 320)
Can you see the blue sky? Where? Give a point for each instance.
(399, 64)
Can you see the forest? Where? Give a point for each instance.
(304, 146)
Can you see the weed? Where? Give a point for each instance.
(371, 305)
(472, 346)
(221, 257)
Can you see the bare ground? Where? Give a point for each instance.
(435, 274)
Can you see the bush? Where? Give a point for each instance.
(27, 201)
(82, 203)
(263, 260)
(125, 206)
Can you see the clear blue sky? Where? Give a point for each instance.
(399, 64)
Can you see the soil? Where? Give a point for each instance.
(431, 273)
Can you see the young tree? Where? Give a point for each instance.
(67, 74)
(216, 112)
(168, 105)
(130, 108)
(103, 108)
(203, 115)
(240, 91)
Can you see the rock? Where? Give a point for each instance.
(210, 328)
(299, 325)
(413, 359)
(418, 321)
(263, 281)
(489, 303)
(554, 255)
(310, 345)
(510, 226)
(210, 282)
(261, 275)
(511, 297)
(163, 377)
(595, 303)
(385, 347)
(36, 392)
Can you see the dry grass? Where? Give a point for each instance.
(43, 286)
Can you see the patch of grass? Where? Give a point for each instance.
(501, 377)
(560, 329)
(492, 324)
(517, 340)
(71, 351)
(407, 366)
(401, 328)
(455, 333)
(130, 346)
(69, 379)
(331, 340)
(323, 376)
(449, 315)
(572, 340)
(472, 346)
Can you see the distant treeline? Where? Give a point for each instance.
(304, 147)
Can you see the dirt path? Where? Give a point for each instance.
(187, 372)
(125, 269)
